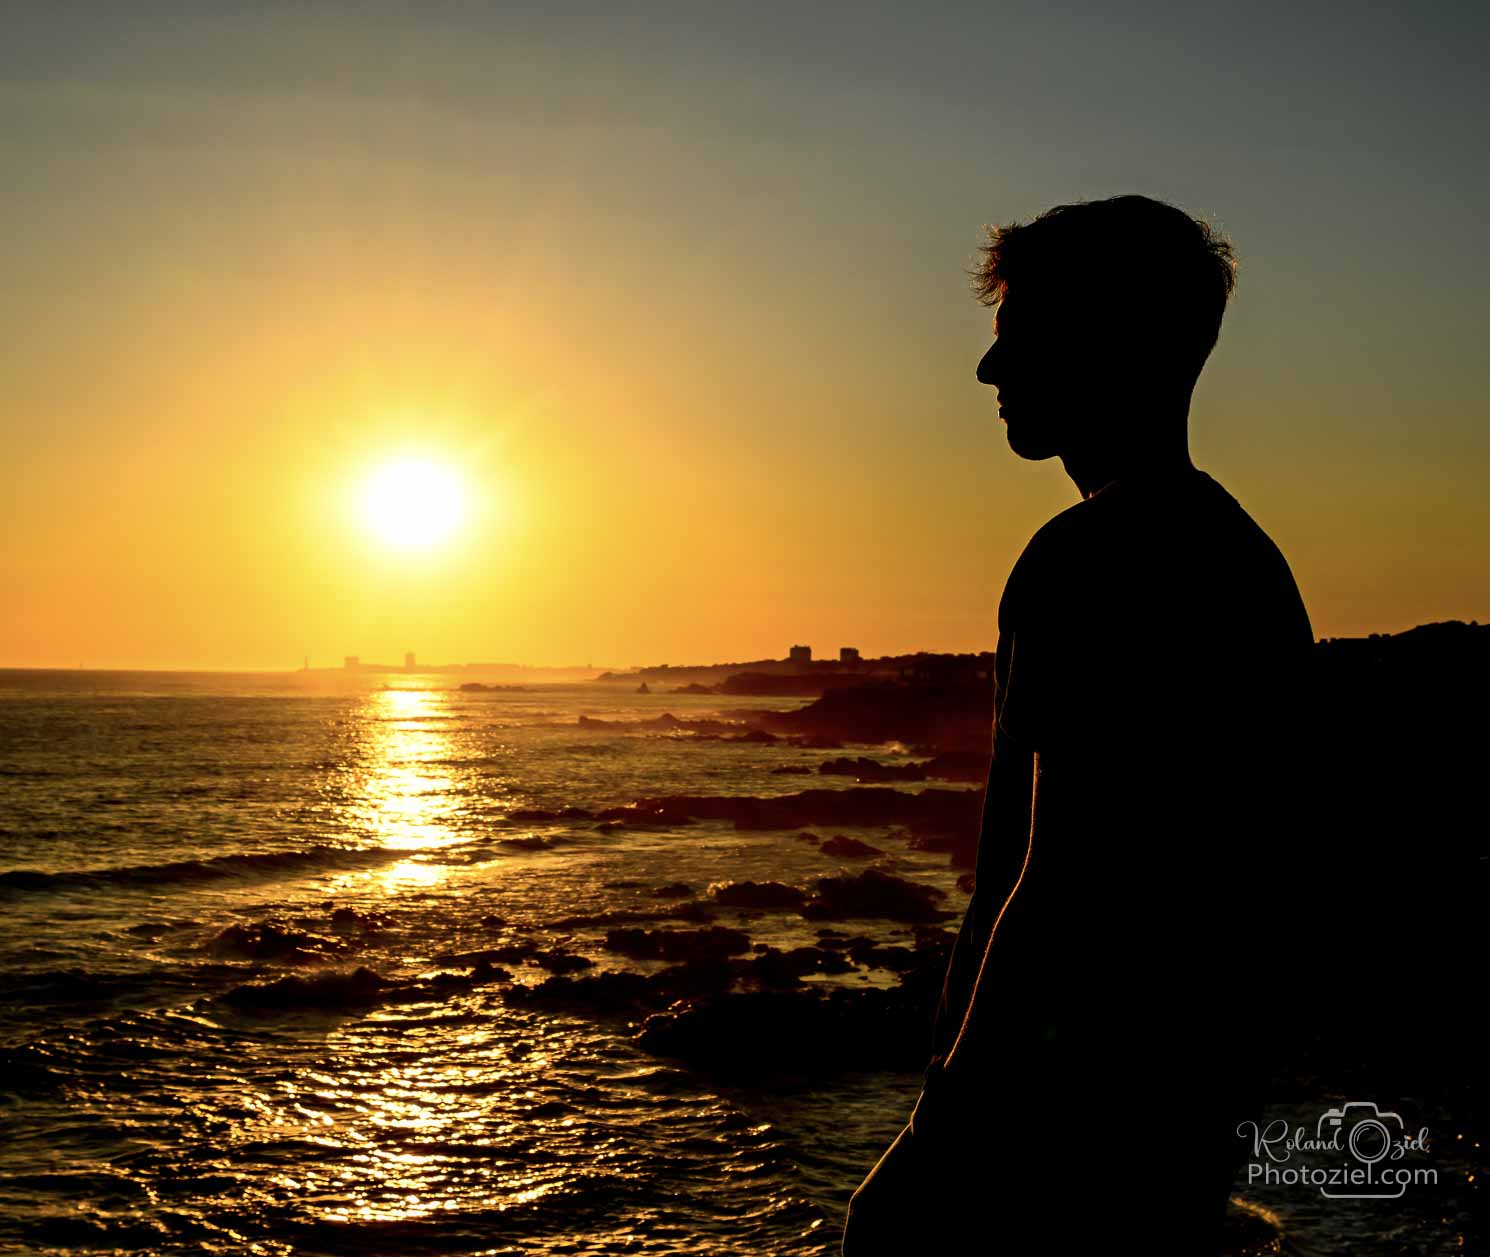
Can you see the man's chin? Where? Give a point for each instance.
(1029, 445)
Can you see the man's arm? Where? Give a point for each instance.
(1003, 843)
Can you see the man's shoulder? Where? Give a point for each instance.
(1059, 542)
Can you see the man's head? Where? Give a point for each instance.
(1106, 310)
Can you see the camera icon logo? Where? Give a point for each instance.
(1370, 1135)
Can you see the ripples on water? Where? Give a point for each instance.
(144, 816)
(143, 1113)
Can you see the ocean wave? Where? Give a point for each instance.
(261, 864)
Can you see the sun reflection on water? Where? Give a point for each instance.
(410, 798)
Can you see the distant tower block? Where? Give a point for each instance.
(408, 661)
(848, 654)
(800, 655)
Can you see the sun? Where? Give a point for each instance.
(413, 504)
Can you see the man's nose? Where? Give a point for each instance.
(986, 366)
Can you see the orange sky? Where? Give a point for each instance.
(684, 310)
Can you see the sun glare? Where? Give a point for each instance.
(412, 503)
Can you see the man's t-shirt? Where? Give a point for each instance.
(1151, 669)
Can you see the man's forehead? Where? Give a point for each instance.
(1044, 309)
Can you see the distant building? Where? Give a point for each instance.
(849, 654)
(800, 655)
(351, 663)
(408, 661)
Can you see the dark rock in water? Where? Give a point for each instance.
(757, 895)
(530, 843)
(601, 992)
(873, 956)
(609, 827)
(695, 688)
(716, 941)
(359, 989)
(804, 836)
(839, 941)
(264, 940)
(873, 893)
(673, 890)
(576, 813)
(791, 770)
(666, 723)
(863, 769)
(849, 848)
(493, 921)
(643, 688)
(697, 912)
(931, 810)
(487, 972)
(755, 735)
(947, 715)
(704, 975)
(532, 814)
(774, 967)
(510, 952)
(349, 921)
(627, 884)
(557, 961)
(962, 847)
(958, 766)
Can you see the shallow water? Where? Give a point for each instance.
(143, 815)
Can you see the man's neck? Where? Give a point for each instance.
(1092, 471)
(1152, 444)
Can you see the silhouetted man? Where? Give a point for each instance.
(1117, 997)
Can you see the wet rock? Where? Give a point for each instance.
(757, 895)
(716, 941)
(958, 766)
(532, 814)
(575, 813)
(349, 921)
(932, 810)
(358, 989)
(698, 976)
(754, 735)
(673, 890)
(493, 921)
(874, 956)
(842, 845)
(873, 893)
(774, 967)
(601, 992)
(511, 953)
(532, 842)
(962, 847)
(698, 913)
(863, 769)
(949, 715)
(557, 961)
(264, 940)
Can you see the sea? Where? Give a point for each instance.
(169, 839)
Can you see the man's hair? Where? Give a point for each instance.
(1174, 272)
